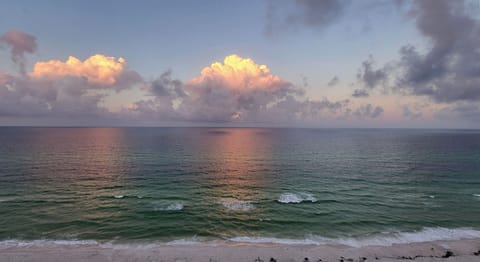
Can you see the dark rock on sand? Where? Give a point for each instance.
(448, 254)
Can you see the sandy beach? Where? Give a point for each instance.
(458, 250)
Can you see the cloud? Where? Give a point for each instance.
(360, 93)
(19, 43)
(164, 90)
(463, 111)
(448, 71)
(371, 77)
(291, 15)
(368, 110)
(72, 89)
(239, 74)
(235, 90)
(166, 86)
(97, 70)
(410, 113)
(24, 96)
(237, 87)
(334, 81)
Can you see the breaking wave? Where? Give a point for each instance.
(387, 239)
(295, 198)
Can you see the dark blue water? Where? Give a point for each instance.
(240, 184)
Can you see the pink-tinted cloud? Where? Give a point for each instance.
(20, 43)
(97, 69)
(239, 74)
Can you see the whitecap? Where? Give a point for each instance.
(237, 205)
(167, 206)
(476, 195)
(296, 198)
(118, 196)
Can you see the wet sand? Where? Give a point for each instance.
(457, 250)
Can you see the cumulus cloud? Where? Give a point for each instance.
(97, 70)
(60, 89)
(290, 15)
(448, 71)
(235, 90)
(23, 96)
(164, 91)
(19, 43)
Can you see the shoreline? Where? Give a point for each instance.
(439, 250)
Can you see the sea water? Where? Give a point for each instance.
(181, 185)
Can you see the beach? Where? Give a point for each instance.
(452, 250)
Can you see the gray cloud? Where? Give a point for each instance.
(411, 113)
(166, 86)
(360, 93)
(291, 15)
(210, 101)
(19, 43)
(368, 110)
(334, 81)
(65, 98)
(463, 111)
(448, 71)
(371, 77)
(240, 91)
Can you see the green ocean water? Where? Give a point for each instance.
(238, 184)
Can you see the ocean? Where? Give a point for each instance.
(187, 185)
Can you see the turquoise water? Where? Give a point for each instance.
(238, 184)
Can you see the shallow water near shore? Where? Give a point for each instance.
(346, 186)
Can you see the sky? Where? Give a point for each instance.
(294, 63)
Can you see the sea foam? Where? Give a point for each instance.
(387, 239)
(45, 243)
(237, 205)
(165, 206)
(295, 198)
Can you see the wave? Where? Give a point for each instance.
(7, 199)
(237, 205)
(166, 206)
(295, 198)
(45, 243)
(386, 239)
